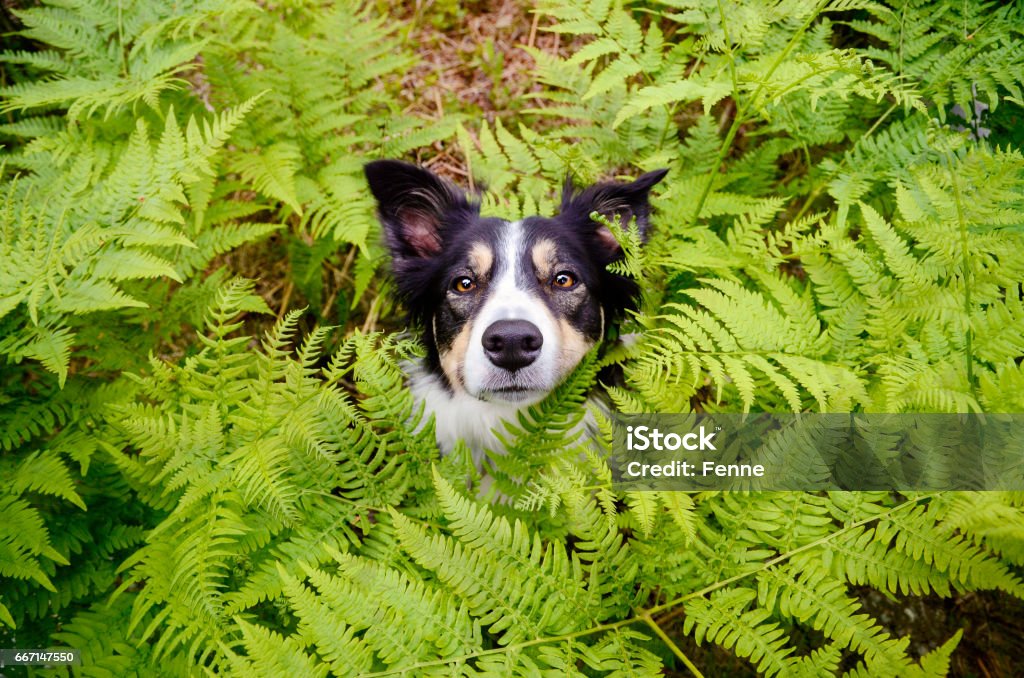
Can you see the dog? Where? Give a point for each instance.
(506, 309)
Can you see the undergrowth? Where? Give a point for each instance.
(840, 231)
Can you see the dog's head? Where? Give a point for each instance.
(508, 309)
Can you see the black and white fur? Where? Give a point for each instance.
(507, 309)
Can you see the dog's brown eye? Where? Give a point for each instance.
(564, 280)
(463, 284)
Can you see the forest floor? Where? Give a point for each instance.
(475, 58)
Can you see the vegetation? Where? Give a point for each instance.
(209, 459)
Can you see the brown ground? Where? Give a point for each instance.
(472, 60)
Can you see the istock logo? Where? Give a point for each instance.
(642, 438)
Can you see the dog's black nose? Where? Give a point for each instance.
(512, 344)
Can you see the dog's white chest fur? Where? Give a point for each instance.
(460, 416)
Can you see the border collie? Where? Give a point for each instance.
(507, 309)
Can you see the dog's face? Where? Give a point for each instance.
(508, 309)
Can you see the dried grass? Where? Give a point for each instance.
(452, 76)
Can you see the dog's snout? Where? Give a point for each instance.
(512, 344)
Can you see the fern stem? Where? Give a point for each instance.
(910, 503)
(675, 105)
(611, 626)
(120, 39)
(741, 109)
(374, 509)
(733, 129)
(646, 616)
(728, 42)
(878, 122)
(816, 191)
(968, 306)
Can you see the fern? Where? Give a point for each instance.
(105, 60)
(192, 485)
(64, 257)
(319, 109)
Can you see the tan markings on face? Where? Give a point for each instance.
(544, 258)
(454, 358)
(574, 346)
(481, 258)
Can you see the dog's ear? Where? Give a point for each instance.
(412, 203)
(616, 202)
